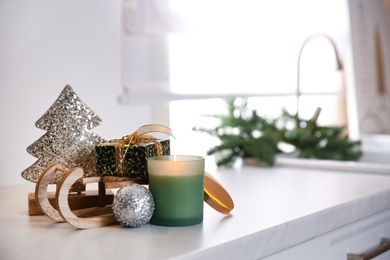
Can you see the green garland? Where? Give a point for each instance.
(245, 134)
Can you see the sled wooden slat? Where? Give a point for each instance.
(90, 217)
(86, 199)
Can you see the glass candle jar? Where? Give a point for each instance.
(176, 183)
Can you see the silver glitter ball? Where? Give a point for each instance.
(133, 205)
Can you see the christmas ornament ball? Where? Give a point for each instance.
(133, 205)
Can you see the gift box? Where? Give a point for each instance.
(128, 160)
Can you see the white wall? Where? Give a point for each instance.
(45, 45)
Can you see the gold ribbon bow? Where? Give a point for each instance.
(141, 135)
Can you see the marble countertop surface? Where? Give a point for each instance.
(275, 208)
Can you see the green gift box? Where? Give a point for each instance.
(129, 161)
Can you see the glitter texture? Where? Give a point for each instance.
(68, 140)
(133, 205)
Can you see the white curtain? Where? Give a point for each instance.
(183, 49)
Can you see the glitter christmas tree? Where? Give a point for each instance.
(68, 141)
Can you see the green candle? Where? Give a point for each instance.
(177, 183)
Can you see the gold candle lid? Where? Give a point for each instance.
(216, 196)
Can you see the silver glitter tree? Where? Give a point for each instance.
(68, 140)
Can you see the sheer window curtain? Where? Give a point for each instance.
(200, 49)
(182, 48)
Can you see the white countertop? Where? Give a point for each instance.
(275, 208)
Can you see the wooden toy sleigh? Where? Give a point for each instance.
(87, 209)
